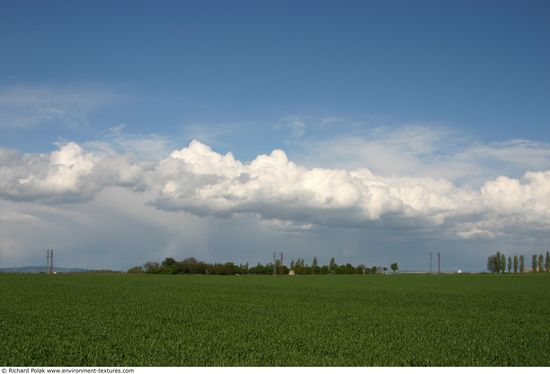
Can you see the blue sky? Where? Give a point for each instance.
(452, 90)
(481, 66)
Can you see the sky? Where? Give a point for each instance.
(369, 131)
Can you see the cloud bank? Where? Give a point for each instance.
(282, 194)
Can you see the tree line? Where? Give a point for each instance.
(193, 266)
(498, 263)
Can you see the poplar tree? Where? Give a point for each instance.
(509, 264)
(534, 263)
(541, 263)
(503, 262)
(498, 262)
(491, 263)
(515, 264)
(521, 263)
(547, 262)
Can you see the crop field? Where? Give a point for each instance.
(148, 320)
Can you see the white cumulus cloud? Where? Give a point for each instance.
(65, 175)
(200, 180)
(280, 193)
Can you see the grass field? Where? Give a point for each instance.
(123, 320)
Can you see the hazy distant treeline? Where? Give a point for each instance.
(193, 266)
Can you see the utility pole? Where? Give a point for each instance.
(431, 267)
(438, 262)
(49, 260)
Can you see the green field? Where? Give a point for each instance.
(124, 320)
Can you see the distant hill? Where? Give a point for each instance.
(41, 269)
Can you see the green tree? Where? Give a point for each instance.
(541, 263)
(516, 264)
(300, 267)
(498, 262)
(547, 262)
(509, 264)
(534, 263)
(258, 269)
(332, 265)
(394, 267)
(168, 266)
(168, 261)
(492, 264)
(136, 270)
(314, 266)
(521, 263)
(503, 262)
(151, 267)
